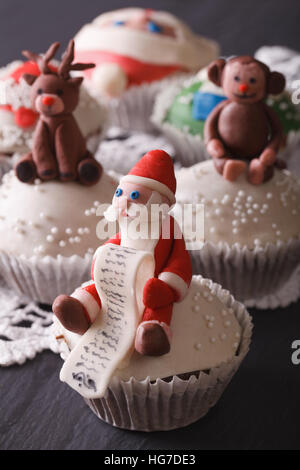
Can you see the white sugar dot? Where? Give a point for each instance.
(210, 324)
(235, 231)
(54, 230)
(80, 231)
(244, 220)
(249, 198)
(255, 220)
(87, 212)
(90, 250)
(86, 230)
(50, 238)
(257, 241)
(237, 213)
(241, 193)
(227, 323)
(68, 231)
(255, 206)
(225, 199)
(77, 239)
(62, 243)
(213, 339)
(212, 229)
(215, 201)
(237, 334)
(249, 211)
(269, 195)
(224, 313)
(278, 233)
(197, 346)
(196, 308)
(96, 203)
(235, 222)
(274, 225)
(93, 210)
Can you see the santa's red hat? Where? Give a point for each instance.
(155, 171)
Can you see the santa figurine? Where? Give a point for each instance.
(151, 181)
(133, 46)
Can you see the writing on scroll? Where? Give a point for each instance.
(102, 350)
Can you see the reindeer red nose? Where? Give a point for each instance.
(244, 87)
(48, 100)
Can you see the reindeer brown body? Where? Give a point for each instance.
(59, 150)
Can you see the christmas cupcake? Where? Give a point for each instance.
(251, 204)
(251, 233)
(48, 206)
(147, 345)
(181, 110)
(138, 52)
(18, 117)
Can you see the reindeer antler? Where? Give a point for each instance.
(43, 60)
(66, 64)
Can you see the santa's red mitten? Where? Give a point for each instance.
(158, 294)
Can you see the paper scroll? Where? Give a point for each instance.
(120, 275)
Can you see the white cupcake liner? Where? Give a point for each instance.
(251, 275)
(287, 294)
(132, 111)
(189, 149)
(163, 405)
(43, 279)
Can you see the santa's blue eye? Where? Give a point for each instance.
(119, 23)
(119, 192)
(134, 194)
(154, 27)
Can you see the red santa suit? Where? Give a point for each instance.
(173, 269)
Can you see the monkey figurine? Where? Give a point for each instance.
(59, 150)
(244, 129)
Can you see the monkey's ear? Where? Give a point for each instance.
(76, 81)
(214, 71)
(30, 79)
(276, 83)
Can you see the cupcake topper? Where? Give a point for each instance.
(244, 128)
(59, 150)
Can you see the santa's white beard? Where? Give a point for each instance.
(141, 227)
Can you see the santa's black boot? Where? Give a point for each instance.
(71, 314)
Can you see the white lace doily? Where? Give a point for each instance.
(24, 328)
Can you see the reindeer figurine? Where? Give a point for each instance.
(59, 150)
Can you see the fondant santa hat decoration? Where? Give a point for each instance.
(155, 171)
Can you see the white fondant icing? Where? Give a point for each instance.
(274, 217)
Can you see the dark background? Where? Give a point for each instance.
(261, 407)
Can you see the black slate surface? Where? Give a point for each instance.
(261, 407)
